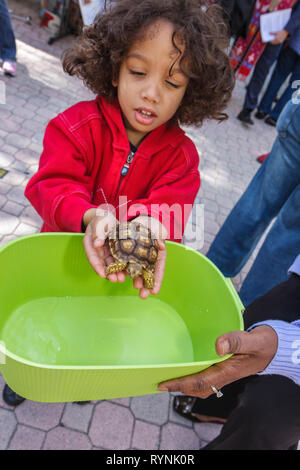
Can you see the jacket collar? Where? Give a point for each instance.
(157, 139)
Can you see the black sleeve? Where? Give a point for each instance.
(228, 6)
(280, 303)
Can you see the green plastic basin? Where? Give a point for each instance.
(68, 335)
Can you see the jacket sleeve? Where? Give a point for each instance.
(294, 21)
(61, 190)
(171, 199)
(287, 358)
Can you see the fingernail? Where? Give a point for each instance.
(225, 347)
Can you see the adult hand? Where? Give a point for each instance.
(97, 248)
(252, 352)
(279, 37)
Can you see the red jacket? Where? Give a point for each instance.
(85, 149)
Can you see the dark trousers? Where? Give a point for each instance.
(288, 63)
(262, 411)
(260, 74)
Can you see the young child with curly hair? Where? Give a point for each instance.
(153, 65)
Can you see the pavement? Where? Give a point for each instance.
(228, 154)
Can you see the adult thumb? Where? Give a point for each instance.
(235, 342)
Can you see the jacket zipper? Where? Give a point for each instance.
(125, 168)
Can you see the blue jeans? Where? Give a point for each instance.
(260, 74)
(288, 62)
(7, 37)
(273, 192)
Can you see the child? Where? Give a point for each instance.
(152, 64)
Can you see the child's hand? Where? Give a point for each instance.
(97, 248)
(160, 234)
(158, 274)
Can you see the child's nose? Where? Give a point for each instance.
(151, 92)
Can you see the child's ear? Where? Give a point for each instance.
(114, 83)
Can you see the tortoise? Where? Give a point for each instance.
(134, 250)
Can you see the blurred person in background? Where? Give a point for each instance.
(238, 15)
(288, 63)
(273, 193)
(8, 49)
(252, 52)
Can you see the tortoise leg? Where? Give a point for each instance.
(115, 268)
(148, 279)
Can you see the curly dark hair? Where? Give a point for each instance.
(100, 50)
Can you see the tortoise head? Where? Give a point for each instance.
(134, 270)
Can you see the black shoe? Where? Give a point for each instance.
(245, 116)
(260, 114)
(294, 447)
(206, 410)
(271, 121)
(10, 397)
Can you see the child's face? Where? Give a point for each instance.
(148, 95)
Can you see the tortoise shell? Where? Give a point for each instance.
(131, 242)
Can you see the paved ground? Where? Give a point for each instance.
(228, 152)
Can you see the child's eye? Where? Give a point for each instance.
(172, 84)
(134, 72)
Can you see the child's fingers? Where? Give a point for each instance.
(98, 256)
(95, 261)
(98, 243)
(97, 248)
(138, 283)
(117, 277)
(161, 245)
(121, 276)
(112, 277)
(158, 276)
(144, 293)
(159, 268)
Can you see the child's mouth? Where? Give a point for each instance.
(144, 116)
